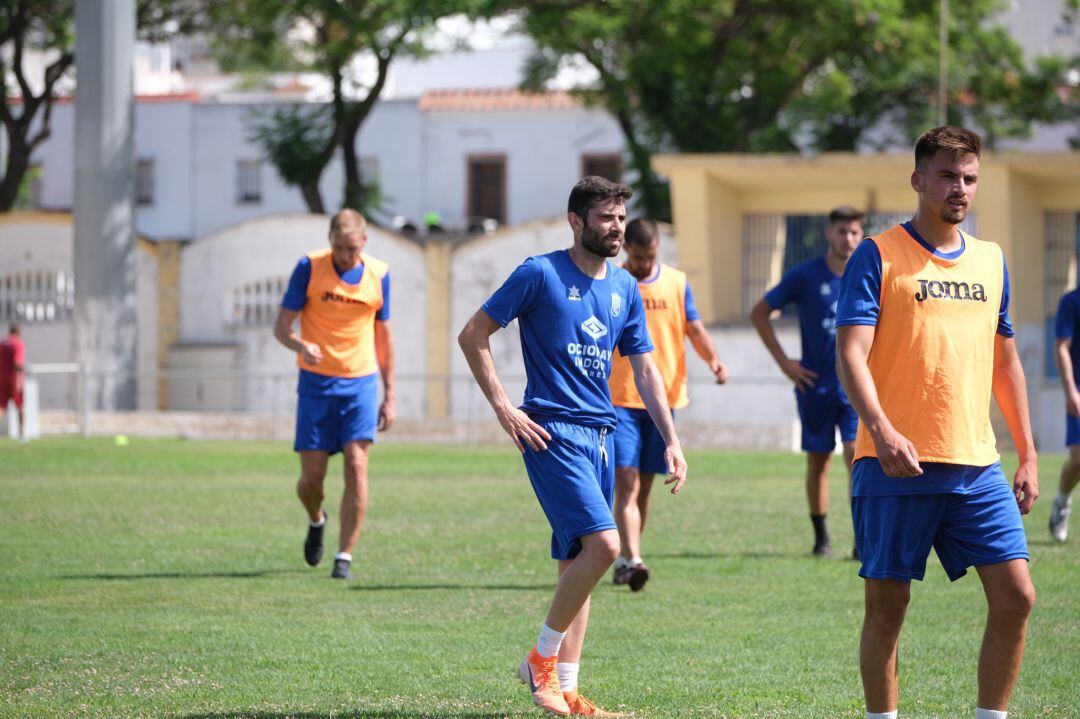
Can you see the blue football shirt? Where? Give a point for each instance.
(1067, 327)
(570, 324)
(814, 290)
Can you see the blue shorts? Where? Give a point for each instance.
(1072, 430)
(821, 411)
(574, 479)
(894, 533)
(328, 423)
(638, 442)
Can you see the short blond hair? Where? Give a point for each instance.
(347, 222)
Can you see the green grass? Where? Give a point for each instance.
(164, 579)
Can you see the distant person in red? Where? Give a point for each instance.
(12, 364)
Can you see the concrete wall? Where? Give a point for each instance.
(39, 242)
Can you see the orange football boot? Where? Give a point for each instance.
(542, 678)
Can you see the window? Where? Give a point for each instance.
(487, 188)
(248, 182)
(608, 166)
(144, 181)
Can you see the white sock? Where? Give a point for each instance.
(321, 522)
(549, 642)
(881, 715)
(1062, 499)
(621, 561)
(567, 675)
(343, 555)
(990, 714)
(636, 561)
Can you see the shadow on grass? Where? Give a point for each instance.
(362, 714)
(185, 575)
(777, 554)
(442, 587)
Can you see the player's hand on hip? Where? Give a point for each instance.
(523, 430)
(896, 453)
(311, 353)
(1072, 403)
(386, 415)
(803, 378)
(719, 371)
(1026, 485)
(676, 467)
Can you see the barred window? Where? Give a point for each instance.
(36, 296)
(256, 303)
(248, 182)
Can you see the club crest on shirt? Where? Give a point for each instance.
(594, 327)
(616, 305)
(573, 294)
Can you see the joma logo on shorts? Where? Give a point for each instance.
(936, 290)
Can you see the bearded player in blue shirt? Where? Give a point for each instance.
(573, 309)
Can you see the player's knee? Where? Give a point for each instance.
(1016, 602)
(605, 546)
(886, 610)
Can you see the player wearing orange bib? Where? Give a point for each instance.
(639, 449)
(923, 341)
(342, 299)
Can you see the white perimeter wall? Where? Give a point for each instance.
(37, 243)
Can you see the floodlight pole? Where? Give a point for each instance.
(943, 64)
(104, 251)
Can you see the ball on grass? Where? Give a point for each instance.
(121, 440)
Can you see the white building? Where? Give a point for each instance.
(492, 153)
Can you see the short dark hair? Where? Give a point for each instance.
(14, 328)
(948, 138)
(642, 232)
(845, 213)
(593, 190)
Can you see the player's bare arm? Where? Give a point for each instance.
(474, 341)
(1068, 378)
(650, 385)
(384, 354)
(283, 333)
(895, 452)
(1010, 392)
(706, 350)
(760, 317)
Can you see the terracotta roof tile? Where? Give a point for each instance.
(501, 99)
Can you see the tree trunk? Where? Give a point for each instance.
(312, 197)
(18, 161)
(354, 182)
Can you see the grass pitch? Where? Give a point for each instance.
(165, 579)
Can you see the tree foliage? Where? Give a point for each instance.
(789, 75)
(326, 36)
(49, 25)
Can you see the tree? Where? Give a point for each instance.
(48, 25)
(325, 36)
(787, 75)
